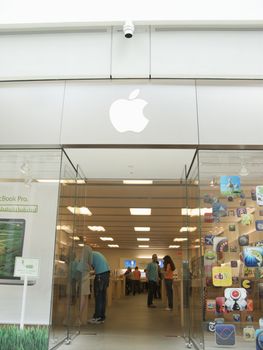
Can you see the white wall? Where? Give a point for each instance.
(159, 52)
(31, 112)
(65, 11)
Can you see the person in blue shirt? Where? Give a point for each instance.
(101, 283)
(152, 277)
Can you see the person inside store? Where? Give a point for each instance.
(169, 267)
(128, 281)
(136, 281)
(157, 293)
(101, 283)
(84, 268)
(152, 277)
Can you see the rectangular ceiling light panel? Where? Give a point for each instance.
(140, 211)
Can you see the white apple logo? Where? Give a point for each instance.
(127, 115)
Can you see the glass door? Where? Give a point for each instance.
(192, 267)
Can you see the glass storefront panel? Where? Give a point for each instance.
(194, 269)
(65, 282)
(231, 189)
(29, 185)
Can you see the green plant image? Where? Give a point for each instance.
(29, 338)
(11, 241)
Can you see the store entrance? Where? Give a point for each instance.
(110, 185)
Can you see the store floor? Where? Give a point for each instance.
(131, 325)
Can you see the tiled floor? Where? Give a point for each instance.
(131, 325)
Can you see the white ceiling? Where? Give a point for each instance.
(132, 163)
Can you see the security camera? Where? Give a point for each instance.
(128, 29)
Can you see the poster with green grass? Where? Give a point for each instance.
(29, 338)
(11, 245)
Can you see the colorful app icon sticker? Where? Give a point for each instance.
(247, 284)
(259, 225)
(233, 263)
(233, 249)
(222, 276)
(209, 239)
(208, 199)
(236, 317)
(219, 209)
(249, 333)
(220, 244)
(260, 290)
(259, 339)
(225, 334)
(220, 305)
(232, 227)
(211, 305)
(241, 211)
(208, 218)
(259, 195)
(211, 326)
(249, 318)
(250, 305)
(231, 212)
(210, 255)
(253, 194)
(230, 185)
(248, 271)
(260, 322)
(242, 202)
(247, 219)
(235, 299)
(243, 240)
(258, 272)
(235, 280)
(252, 256)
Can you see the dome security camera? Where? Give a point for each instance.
(128, 29)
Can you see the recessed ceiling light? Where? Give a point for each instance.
(48, 180)
(197, 246)
(113, 245)
(106, 238)
(96, 228)
(143, 239)
(138, 182)
(180, 239)
(143, 246)
(76, 238)
(64, 228)
(80, 210)
(187, 229)
(174, 246)
(195, 211)
(81, 244)
(142, 229)
(140, 211)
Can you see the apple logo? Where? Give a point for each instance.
(127, 115)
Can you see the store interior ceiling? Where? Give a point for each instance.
(109, 199)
